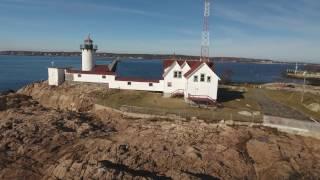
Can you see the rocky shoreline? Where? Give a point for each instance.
(53, 133)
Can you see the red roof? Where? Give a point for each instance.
(194, 64)
(168, 63)
(193, 68)
(137, 79)
(98, 69)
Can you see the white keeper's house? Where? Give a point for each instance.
(195, 80)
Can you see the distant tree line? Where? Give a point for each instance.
(134, 56)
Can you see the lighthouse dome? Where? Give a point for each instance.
(88, 40)
(88, 44)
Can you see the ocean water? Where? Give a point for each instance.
(18, 71)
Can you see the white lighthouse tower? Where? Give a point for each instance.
(88, 50)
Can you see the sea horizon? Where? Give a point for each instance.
(34, 68)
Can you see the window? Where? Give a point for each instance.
(79, 75)
(169, 84)
(202, 77)
(104, 77)
(177, 74)
(195, 78)
(129, 83)
(150, 84)
(209, 79)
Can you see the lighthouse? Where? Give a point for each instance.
(88, 50)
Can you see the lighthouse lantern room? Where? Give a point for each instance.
(88, 50)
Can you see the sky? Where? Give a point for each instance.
(286, 30)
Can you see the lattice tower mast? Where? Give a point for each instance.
(205, 43)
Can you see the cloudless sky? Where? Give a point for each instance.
(277, 29)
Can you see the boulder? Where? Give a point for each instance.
(256, 113)
(245, 113)
(315, 107)
(192, 153)
(264, 155)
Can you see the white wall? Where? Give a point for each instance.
(188, 85)
(142, 86)
(177, 83)
(87, 60)
(94, 78)
(185, 68)
(203, 88)
(113, 84)
(55, 76)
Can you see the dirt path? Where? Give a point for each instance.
(274, 108)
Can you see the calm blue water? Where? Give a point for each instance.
(17, 71)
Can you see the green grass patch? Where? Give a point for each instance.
(153, 103)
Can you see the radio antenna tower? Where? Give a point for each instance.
(205, 33)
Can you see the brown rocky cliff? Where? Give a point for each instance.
(68, 96)
(38, 142)
(41, 139)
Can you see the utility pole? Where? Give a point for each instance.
(304, 86)
(205, 33)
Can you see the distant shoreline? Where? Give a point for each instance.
(142, 56)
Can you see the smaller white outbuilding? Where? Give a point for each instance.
(56, 76)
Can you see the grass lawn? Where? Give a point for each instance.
(242, 98)
(154, 103)
(293, 99)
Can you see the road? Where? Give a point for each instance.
(274, 108)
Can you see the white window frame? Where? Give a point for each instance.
(169, 84)
(195, 78)
(129, 83)
(175, 74)
(202, 77)
(209, 79)
(150, 84)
